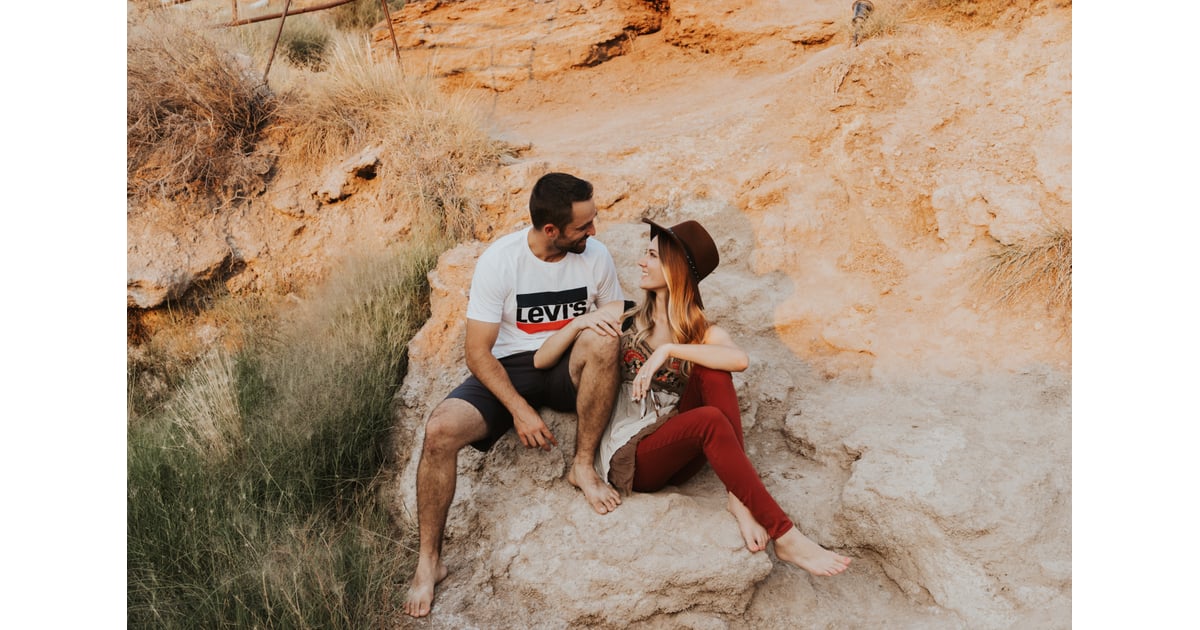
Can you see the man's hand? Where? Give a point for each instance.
(600, 322)
(532, 430)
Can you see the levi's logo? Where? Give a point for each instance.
(550, 310)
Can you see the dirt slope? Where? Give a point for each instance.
(901, 413)
(874, 177)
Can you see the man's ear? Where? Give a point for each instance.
(551, 231)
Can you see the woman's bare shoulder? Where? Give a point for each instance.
(717, 335)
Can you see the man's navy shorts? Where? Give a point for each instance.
(551, 387)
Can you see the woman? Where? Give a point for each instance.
(672, 357)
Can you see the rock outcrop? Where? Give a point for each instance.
(898, 415)
(951, 494)
(498, 45)
(166, 257)
(289, 236)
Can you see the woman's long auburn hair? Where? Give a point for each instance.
(685, 308)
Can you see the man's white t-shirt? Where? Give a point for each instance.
(532, 298)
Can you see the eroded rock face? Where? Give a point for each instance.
(167, 256)
(944, 487)
(287, 237)
(497, 45)
(662, 553)
(730, 25)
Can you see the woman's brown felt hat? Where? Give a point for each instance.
(697, 245)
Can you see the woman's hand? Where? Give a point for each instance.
(598, 321)
(605, 321)
(657, 359)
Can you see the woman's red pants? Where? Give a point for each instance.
(708, 428)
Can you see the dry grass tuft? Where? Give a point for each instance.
(984, 13)
(883, 21)
(351, 320)
(206, 407)
(1040, 269)
(166, 344)
(429, 139)
(889, 17)
(195, 113)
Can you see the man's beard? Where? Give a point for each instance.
(575, 247)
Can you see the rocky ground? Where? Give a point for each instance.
(897, 412)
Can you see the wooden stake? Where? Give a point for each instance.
(387, 16)
(282, 17)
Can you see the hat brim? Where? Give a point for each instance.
(656, 229)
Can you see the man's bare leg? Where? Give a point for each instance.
(452, 425)
(596, 374)
(753, 533)
(801, 551)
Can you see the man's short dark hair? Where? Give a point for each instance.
(552, 196)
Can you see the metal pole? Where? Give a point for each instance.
(282, 17)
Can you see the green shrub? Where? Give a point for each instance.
(362, 14)
(253, 499)
(305, 41)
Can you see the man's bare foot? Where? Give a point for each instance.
(602, 497)
(801, 551)
(755, 536)
(420, 590)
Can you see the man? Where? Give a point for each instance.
(526, 286)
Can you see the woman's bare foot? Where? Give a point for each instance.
(755, 536)
(801, 551)
(420, 591)
(600, 495)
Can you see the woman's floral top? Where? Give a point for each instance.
(669, 378)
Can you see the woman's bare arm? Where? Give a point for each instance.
(604, 321)
(718, 352)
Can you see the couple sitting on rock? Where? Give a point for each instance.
(546, 327)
